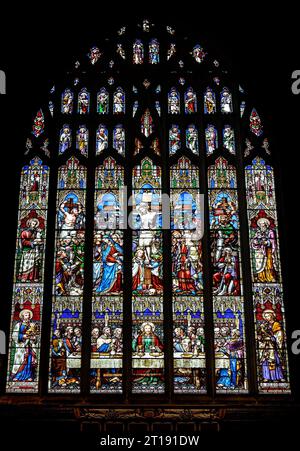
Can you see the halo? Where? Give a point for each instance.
(147, 323)
(28, 222)
(21, 314)
(263, 221)
(268, 311)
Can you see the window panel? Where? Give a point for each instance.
(119, 139)
(227, 286)
(94, 55)
(101, 139)
(269, 315)
(83, 106)
(154, 51)
(211, 139)
(38, 124)
(119, 101)
(229, 139)
(173, 101)
(189, 345)
(103, 101)
(27, 300)
(187, 280)
(82, 140)
(174, 139)
(198, 53)
(138, 52)
(190, 101)
(135, 108)
(106, 345)
(147, 345)
(209, 101)
(242, 108)
(191, 136)
(226, 101)
(108, 272)
(67, 101)
(147, 126)
(147, 280)
(65, 139)
(68, 281)
(256, 126)
(229, 343)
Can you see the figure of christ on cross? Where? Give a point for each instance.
(73, 217)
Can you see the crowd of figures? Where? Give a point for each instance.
(65, 348)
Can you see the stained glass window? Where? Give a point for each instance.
(187, 280)
(154, 51)
(269, 314)
(174, 101)
(67, 101)
(190, 101)
(51, 107)
(211, 139)
(226, 101)
(119, 101)
(83, 101)
(174, 139)
(138, 52)
(171, 51)
(229, 139)
(181, 298)
(158, 108)
(65, 139)
(147, 280)
(103, 101)
(191, 136)
(155, 146)
(38, 124)
(107, 305)
(209, 101)
(68, 281)
(147, 124)
(82, 140)
(28, 291)
(94, 55)
(255, 123)
(135, 107)
(198, 53)
(121, 51)
(101, 139)
(119, 139)
(228, 301)
(242, 108)
(138, 146)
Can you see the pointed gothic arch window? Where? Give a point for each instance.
(148, 309)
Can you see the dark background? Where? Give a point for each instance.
(262, 46)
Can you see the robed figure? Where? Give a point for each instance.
(24, 353)
(108, 266)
